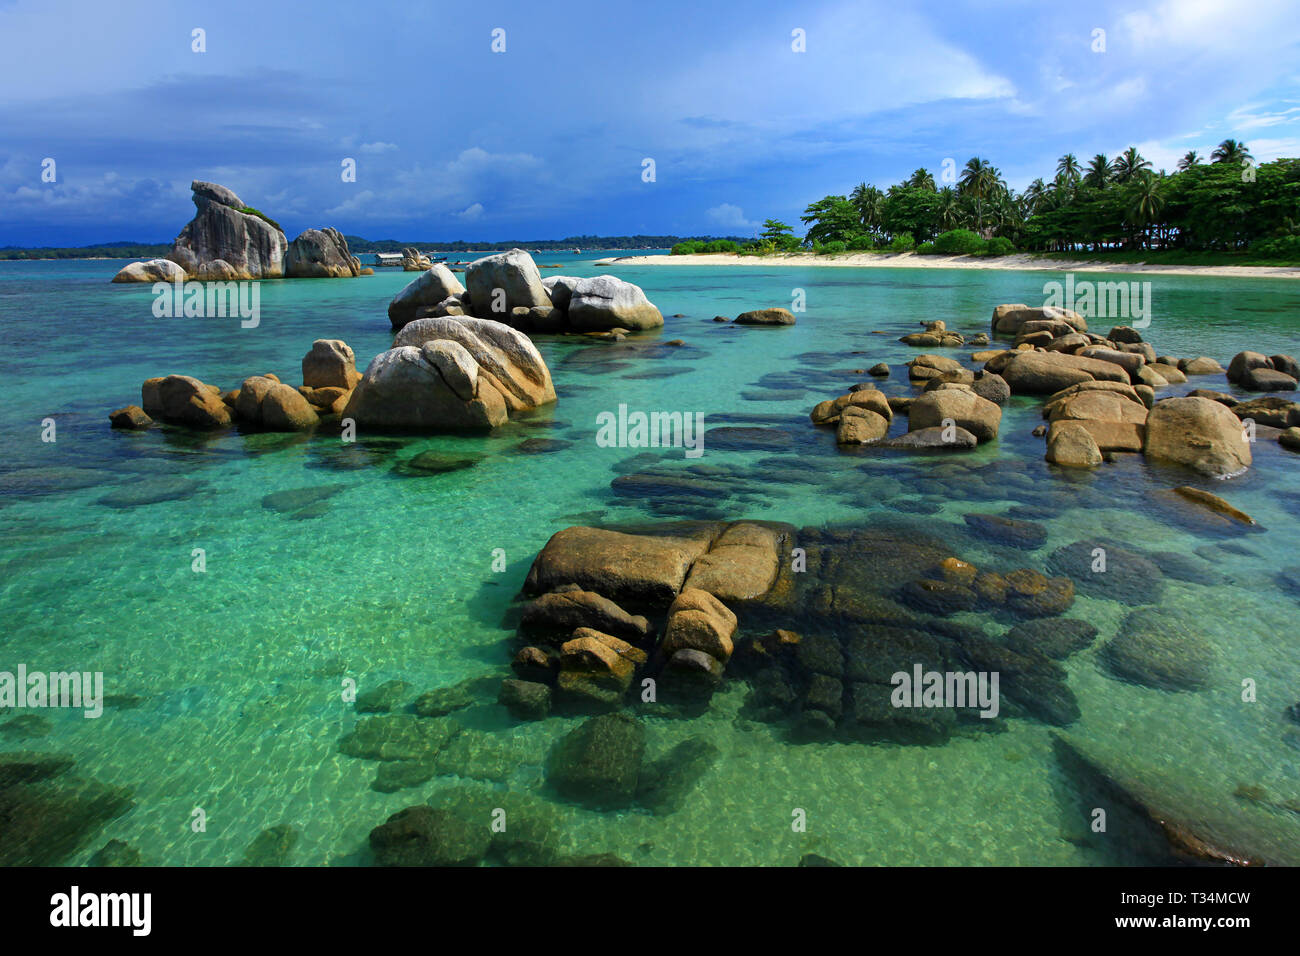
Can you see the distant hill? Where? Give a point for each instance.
(360, 246)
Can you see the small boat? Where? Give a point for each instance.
(576, 251)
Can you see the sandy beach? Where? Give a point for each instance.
(908, 260)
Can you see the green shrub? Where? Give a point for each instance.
(925, 249)
(249, 210)
(960, 242)
(835, 246)
(903, 242)
(861, 240)
(999, 246)
(720, 245)
(687, 248)
(1284, 247)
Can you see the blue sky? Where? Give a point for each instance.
(547, 139)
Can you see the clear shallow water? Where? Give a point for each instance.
(239, 669)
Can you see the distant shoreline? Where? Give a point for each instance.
(908, 260)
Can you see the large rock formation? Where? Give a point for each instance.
(1199, 433)
(450, 374)
(154, 270)
(320, 254)
(602, 303)
(516, 277)
(246, 243)
(429, 289)
(1011, 319)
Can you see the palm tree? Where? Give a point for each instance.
(1190, 158)
(981, 181)
(1147, 201)
(869, 202)
(1129, 164)
(1231, 151)
(1099, 172)
(1034, 195)
(949, 211)
(921, 179)
(1068, 166)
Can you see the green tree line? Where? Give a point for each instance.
(1226, 204)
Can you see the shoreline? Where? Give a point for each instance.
(908, 260)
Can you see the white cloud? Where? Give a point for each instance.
(728, 216)
(471, 213)
(378, 147)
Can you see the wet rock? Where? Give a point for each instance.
(330, 364)
(184, 400)
(1269, 410)
(295, 499)
(116, 853)
(447, 700)
(535, 665)
(45, 821)
(397, 737)
(647, 569)
(597, 668)
(434, 463)
(870, 399)
(395, 775)
(1070, 444)
(976, 415)
(934, 439)
(1009, 531)
(939, 597)
(1198, 433)
(992, 387)
(272, 847)
(525, 700)
(425, 836)
(664, 785)
(1056, 638)
(555, 616)
(732, 438)
(1035, 595)
(386, 697)
(1184, 819)
(131, 418)
(1042, 373)
(858, 426)
(25, 766)
(598, 764)
(1214, 503)
(1162, 649)
(743, 562)
(766, 317)
(691, 676)
(1290, 438)
(1102, 569)
(880, 370)
(699, 621)
(430, 288)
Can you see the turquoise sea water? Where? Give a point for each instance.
(238, 670)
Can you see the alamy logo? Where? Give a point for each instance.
(954, 689)
(651, 430)
(209, 300)
(74, 908)
(73, 689)
(1104, 300)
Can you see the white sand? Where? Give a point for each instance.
(908, 260)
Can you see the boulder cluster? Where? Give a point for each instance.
(508, 288)
(262, 402)
(816, 620)
(227, 240)
(440, 375)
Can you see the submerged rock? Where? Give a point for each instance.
(428, 836)
(1162, 649)
(272, 847)
(665, 784)
(598, 764)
